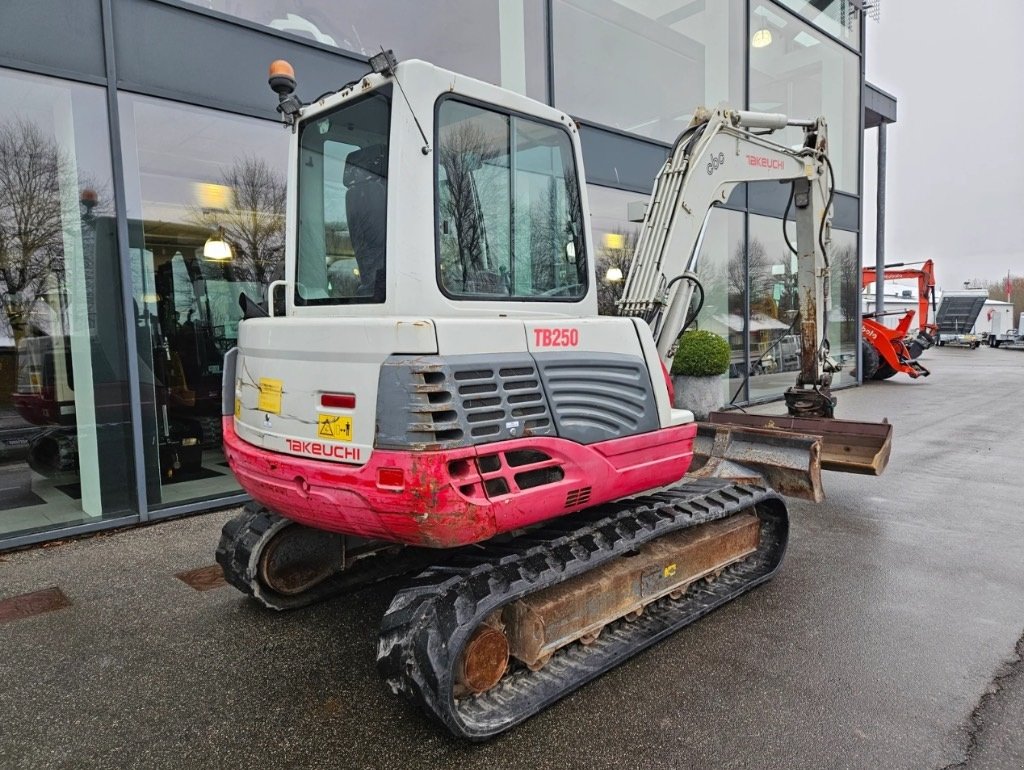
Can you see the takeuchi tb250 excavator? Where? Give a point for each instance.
(435, 393)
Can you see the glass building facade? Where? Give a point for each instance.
(138, 130)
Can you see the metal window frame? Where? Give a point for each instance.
(124, 259)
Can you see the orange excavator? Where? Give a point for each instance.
(888, 351)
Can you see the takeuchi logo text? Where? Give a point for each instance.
(763, 162)
(318, 449)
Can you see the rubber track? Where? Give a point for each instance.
(430, 620)
(248, 532)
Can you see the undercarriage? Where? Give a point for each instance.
(485, 636)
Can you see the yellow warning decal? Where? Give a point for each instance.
(270, 395)
(334, 427)
(669, 571)
(238, 408)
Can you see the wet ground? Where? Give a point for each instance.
(890, 638)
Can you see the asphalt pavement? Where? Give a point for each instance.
(890, 638)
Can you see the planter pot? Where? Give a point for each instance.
(701, 395)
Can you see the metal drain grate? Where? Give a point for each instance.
(203, 578)
(35, 603)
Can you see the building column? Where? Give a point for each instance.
(880, 225)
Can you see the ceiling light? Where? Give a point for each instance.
(761, 38)
(216, 248)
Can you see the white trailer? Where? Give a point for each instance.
(1011, 338)
(996, 318)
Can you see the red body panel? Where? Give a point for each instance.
(461, 496)
(890, 345)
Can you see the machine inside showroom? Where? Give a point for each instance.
(430, 390)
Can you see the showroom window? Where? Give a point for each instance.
(720, 268)
(498, 42)
(774, 306)
(65, 447)
(840, 18)
(843, 327)
(802, 73)
(645, 67)
(206, 210)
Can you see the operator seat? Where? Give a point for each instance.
(366, 209)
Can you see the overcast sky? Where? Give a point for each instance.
(955, 179)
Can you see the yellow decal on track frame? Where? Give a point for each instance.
(334, 427)
(669, 571)
(270, 396)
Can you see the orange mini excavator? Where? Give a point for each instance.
(888, 351)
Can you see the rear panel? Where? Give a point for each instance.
(286, 366)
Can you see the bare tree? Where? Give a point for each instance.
(555, 225)
(254, 222)
(844, 260)
(748, 260)
(31, 228)
(462, 151)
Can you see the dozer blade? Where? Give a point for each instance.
(790, 463)
(847, 446)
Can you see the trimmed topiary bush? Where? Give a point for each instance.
(701, 354)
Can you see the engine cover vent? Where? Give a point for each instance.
(444, 402)
(599, 396)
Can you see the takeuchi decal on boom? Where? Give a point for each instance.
(763, 162)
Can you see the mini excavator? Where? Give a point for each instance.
(888, 351)
(431, 391)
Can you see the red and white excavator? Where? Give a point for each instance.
(437, 392)
(889, 351)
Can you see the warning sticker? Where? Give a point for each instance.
(334, 427)
(238, 408)
(270, 395)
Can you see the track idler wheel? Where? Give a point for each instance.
(285, 565)
(483, 661)
(297, 558)
(276, 561)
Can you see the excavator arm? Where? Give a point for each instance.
(719, 150)
(925, 277)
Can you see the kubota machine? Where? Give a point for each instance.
(436, 391)
(888, 351)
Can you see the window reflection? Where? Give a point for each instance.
(840, 18)
(509, 216)
(645, 67)
(193, 176)
(721, 270)
(800, 72)
(64, 446)
(844, 330)
(498, 42)
(774, 307)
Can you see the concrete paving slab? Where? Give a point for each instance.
(899, 604)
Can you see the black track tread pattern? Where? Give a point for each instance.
(243, 536)
(430, 620)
